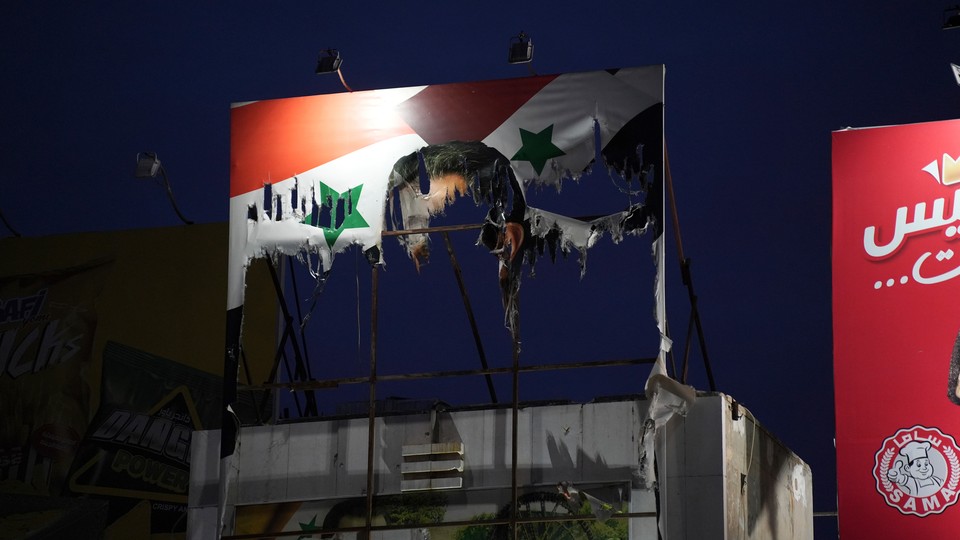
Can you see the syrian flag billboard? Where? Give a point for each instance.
(315, 175)
(896, 260)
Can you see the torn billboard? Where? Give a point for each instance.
(896, 212)
(311, 176)
(316, 174)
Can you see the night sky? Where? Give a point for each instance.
(752, 95)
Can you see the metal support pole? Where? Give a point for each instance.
(372, 416)
(514, 489)
(470, 317)
(685, 272)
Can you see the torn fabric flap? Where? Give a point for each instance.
(513, 231)
(667, 398)
(452, 170)
(574, 234)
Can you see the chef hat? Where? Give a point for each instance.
(915, 450)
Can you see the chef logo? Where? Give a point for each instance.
(917, 471)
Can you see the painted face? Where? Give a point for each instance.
(920, 468)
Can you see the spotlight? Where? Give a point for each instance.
(148, 165)
(329, 62)
(951, 18)
(521, 49)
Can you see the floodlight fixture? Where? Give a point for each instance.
(521, 49)
(329, 62)
(148, 166)
(951, 18)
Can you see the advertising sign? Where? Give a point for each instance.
(896, 260)
(47, 327)
(103, 379)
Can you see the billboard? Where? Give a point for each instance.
(896, 212)
(110, 357)
(312, 176)
(318, 174)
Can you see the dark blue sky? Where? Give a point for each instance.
(752, 94)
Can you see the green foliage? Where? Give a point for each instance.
(476, 532)
(413, 508)
(611, 528)
(605, 530)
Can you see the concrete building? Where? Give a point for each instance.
(583, 470)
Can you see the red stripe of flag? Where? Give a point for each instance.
(274, 140)
(468, 111)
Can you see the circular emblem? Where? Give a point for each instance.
(918, 470)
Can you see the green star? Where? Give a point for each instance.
(351, 216)
(309, 526)
(537, 148)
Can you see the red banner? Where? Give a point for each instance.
(896, 285)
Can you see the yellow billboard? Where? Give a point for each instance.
(111, 354)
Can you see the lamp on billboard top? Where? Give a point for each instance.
(521, 49)
(148, 166)
(951, 18)
(329, 61)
